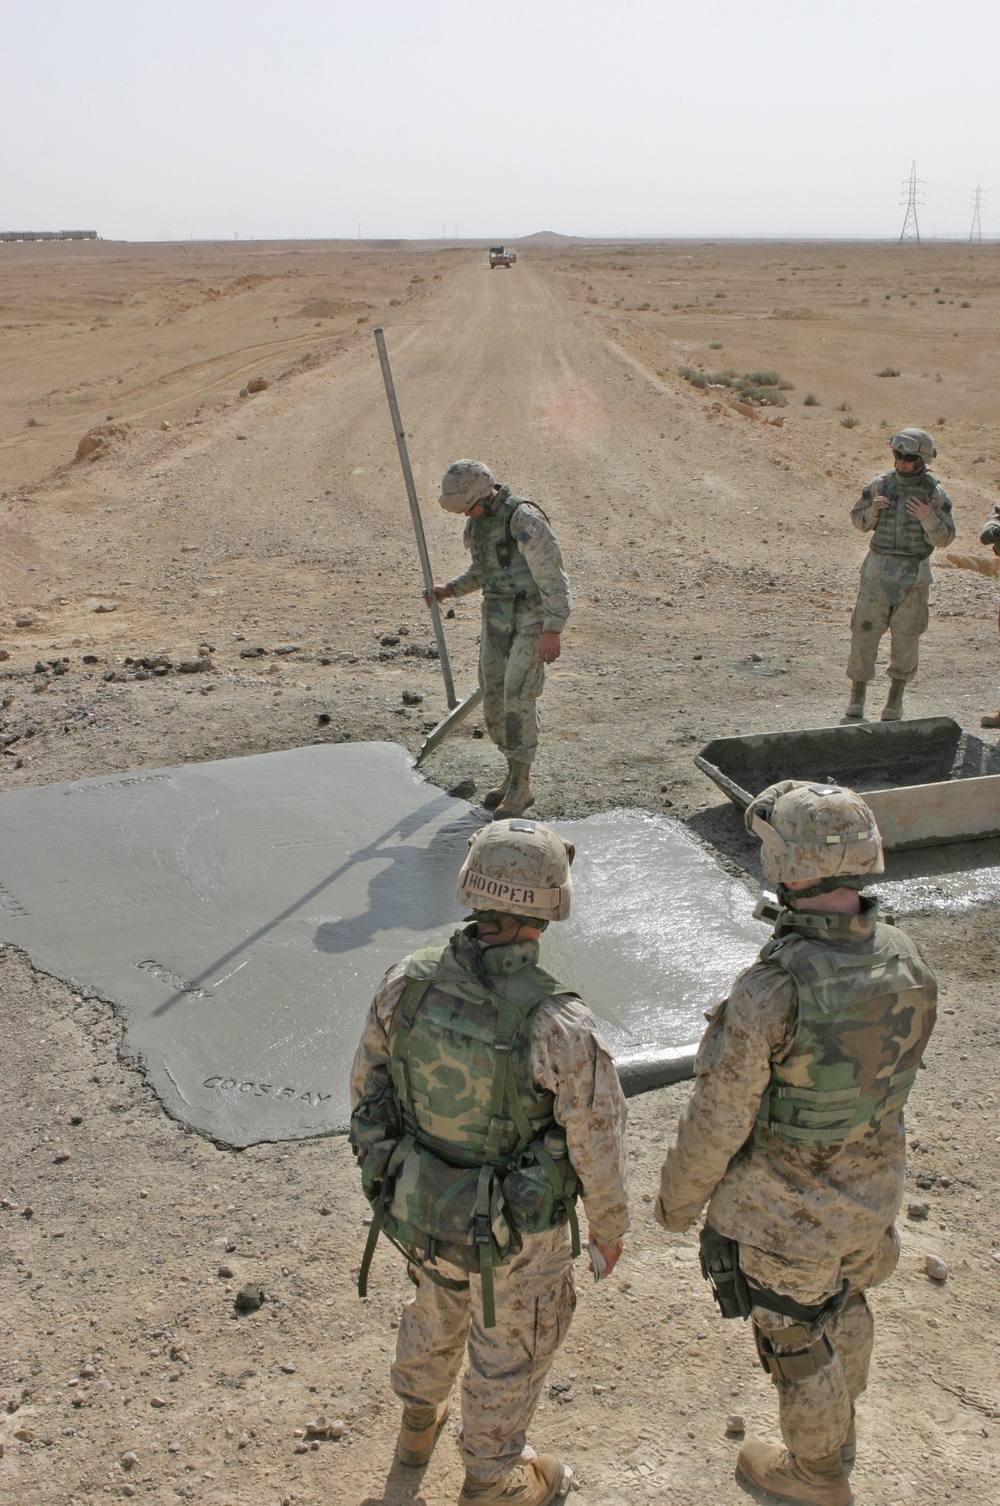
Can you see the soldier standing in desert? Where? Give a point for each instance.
(794, 1132)
(484, 1101)
(909, 515)
(517, 565)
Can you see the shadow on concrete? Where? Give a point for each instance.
(392, 893)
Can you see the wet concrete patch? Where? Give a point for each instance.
(241, 913)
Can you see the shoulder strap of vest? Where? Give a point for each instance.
(402, 1024)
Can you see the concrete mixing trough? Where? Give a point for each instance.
(927, 781)
(240, 914)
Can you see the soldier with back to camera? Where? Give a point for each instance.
(794, 1132)
(484, 1102)
(908, 514)
(517, 565)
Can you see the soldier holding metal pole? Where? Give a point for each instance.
(517, 565)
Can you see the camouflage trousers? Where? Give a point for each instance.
(507, 1364)
(512, 674)
(816, 1411)
(887, 602)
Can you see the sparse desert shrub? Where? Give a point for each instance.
(720, 295)
(850, 422)
(942, 300)
(845, 407)
(937, 290)
(810, 400)
(715, 345)
(763, 387)
(965, 304)
(942, 421)
(889, 371)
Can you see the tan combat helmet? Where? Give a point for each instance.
(465, 483)
(520, 867)
(915, 442)
(818, 832)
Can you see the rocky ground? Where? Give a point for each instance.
(221, 574)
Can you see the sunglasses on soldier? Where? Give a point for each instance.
(898, 455)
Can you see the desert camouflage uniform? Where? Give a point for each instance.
(534, 1292)
(520, 603)
(806, 1217)
(896, 576)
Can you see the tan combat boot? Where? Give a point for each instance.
(814, 1482)
(893, 708)
(495, 797)
(855, 708)
(533, 1482)
(519, 793)
(419, 1433)
(992, 720)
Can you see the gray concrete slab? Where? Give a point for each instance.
(240, 914)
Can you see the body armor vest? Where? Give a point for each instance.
(460, 1152)
(445, 1040)
(895, 531)
(499, 563)
(866, 1009)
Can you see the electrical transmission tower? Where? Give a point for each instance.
(976, 233)
(911, 230)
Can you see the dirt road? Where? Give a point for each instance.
(713, 571)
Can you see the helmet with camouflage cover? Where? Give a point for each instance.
(465, 483)
(819, 833)
(915, 442)
(519, 867)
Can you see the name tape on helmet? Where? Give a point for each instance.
(511, 894)
(869, 834)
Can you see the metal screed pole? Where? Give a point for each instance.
(418, 526)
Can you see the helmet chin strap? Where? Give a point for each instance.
(786, 896)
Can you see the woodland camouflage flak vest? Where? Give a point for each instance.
(460, 1153)
(896, 532)
(867, 1005)
(499, 563)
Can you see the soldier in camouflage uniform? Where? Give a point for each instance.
(517, 565)
(484, 1100)
(794, 1132)
(909, 515)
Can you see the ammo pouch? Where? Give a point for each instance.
(720, 1266)
(540, 1186)
(375, 1119)
(790, 1364)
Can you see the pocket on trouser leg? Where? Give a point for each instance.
(553, 1314)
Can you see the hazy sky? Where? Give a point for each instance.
(310, 118)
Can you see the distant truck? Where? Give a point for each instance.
(501, 257)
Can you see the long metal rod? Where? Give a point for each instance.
(450, 722)
(418, 525)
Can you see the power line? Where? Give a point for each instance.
(911, 230)
(976, 233)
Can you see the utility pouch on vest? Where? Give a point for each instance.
(541, 1187)
(456, 1212)
(376, 1119)
(720, 1266)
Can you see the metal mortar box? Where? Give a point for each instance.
(927, 781)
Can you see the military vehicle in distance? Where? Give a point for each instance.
(501, 257)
